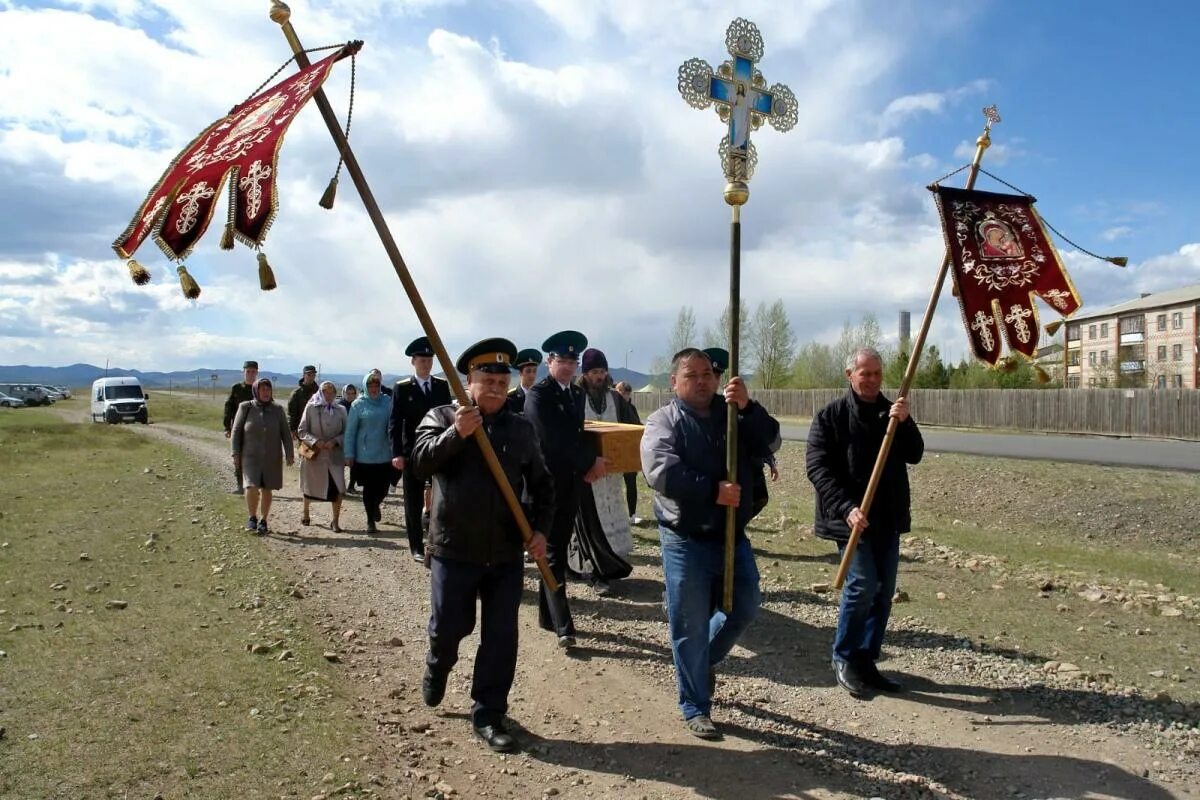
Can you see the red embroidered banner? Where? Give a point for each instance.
(1002, 256)
(242, 146)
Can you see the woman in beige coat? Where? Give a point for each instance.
(322, 427)
(259, 439)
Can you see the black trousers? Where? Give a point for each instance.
(414, 501)
(375, 480)
(554, 613)
(455, 586)
(631, 491)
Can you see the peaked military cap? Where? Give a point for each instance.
(530, 355)
(249, 365)
(489, 355)
(419, 347)
(310, 368)
(719, 357)
(566, 344)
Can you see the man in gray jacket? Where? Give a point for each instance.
(683, 458)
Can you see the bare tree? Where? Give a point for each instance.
(866, 334)
(769, 345)
(718, 334)
(683, 333)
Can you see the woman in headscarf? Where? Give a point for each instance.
(349, 395)
(260, 439)
(369, 447)
(322, 427)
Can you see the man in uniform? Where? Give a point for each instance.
(411, 400)
(527, 365)
(555, 407)
(238, 394)
(300, 397)
(474, 542)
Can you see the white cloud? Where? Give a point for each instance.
(1118, 232)
(903, 108)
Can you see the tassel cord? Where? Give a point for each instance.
(284, 66)
(326, 200)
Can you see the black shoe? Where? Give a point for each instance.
(377, 514)
(872, 677)
(262, 527)
(496, 737)
(849, 679)
(433, 688)
(418, 556)
(371, 526)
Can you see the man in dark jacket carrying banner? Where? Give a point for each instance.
(843, 444)
(474, 550)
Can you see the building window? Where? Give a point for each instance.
(1072, 381)
(1162, 322)
(1162, 352)
(1103, 382)
(1177, 381)
(1161, 382)
(1176, 320)
(1103, 330)
(1103, 357)
(1091, 331)
(1073, 331)
(1073, 358)
(1092, 359)
(1177, 352)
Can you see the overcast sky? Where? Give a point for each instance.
(539, 170)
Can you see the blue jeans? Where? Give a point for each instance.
(701, 634)
(867, 599)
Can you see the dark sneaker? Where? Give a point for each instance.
(252, 523)
(497, 738)
(262, 527)
(433, 688)
(702, 727)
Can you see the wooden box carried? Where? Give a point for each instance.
(619, 442)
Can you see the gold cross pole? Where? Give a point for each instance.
(984, 141)
(738, 90)
(281, 14)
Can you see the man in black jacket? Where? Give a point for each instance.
(843, 444)
(526, 364)
(411, 400)
(238, 394)
(303, 392)
(555, 407)
(474, 542)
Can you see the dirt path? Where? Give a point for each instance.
(604, 721)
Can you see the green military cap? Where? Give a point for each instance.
(566, 344)
(489, 355)
(249, 365)
(530, 355)
(719, 357)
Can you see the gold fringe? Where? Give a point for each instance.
(266, 277)
(227, 237)
(191, 289)
(326, 200)
(1120, 261)
(1007, 365)
(140, 275)
(1052, 327)
(1041, 374)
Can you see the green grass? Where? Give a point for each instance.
(159, 696)
(185, 408)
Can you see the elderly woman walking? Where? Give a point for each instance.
(259, 439)
(322, 429)
(369, 448)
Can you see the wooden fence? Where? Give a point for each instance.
(1159, 413)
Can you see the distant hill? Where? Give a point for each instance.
(83, 375)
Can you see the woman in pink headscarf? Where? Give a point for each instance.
(322, 427)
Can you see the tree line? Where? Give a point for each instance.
(773, 359)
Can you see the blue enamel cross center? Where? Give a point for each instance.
(739, 92)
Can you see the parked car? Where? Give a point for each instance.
(63, 390)
(10, 402)
(119, 400)
(50, 390)
(33, 395)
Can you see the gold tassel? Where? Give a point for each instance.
(266, 278)
(954, 289)
(1052, 327)
(140, 275)
(1007, 365)
(191, 289)
(1120, 261)
(227, 237)
(1041, 374)
(326, 200)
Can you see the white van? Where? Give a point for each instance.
(119, 400)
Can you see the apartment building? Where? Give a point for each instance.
(1148, 342)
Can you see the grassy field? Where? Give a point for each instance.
(187, 408)
(129, 603)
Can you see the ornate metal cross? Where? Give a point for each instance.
(739, 92)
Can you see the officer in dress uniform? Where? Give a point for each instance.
(411, 400)
(238, 394)
(527, 362)
(474, 542)
(555, 407)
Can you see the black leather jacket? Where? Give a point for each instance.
(470, 520)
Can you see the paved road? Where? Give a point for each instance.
(1159, 454)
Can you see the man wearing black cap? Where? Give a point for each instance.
(300, 397)
(474, 542)
(555, 407)
(411, 400)
(238, 394)
(527, 366)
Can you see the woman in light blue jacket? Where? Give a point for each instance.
(369, 448)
